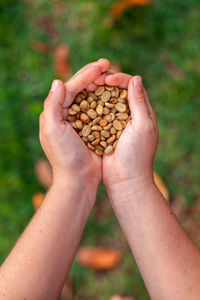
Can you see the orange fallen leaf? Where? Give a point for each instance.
(115, 67)
(67, 292)
(43, 173)
(37, 200)
(98, 258)
(161, 186)
(62, 64)
(120, 6)
(40, 47)
(118, 297)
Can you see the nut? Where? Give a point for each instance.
(100, 117)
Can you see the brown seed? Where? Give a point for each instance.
(96, 128)
(100, 102)
(79, 124)
(108, 118)
(99, 109)
(84, 105)
(96, 121)
(86, 130)
(85, 139)
(109, 149)
(96, 134)
(123, 123)
(113, 130)
(103, 138)
(116, 92)
(115, 144)
(91, 138)
(71, 118)
(117, 125)
(84, 118)
(98, 152)
(103, 122)
(93, 104)
(113, 100)
(95, 142)
(78, 99)
(99, 90)
(105, 133)
(121, 107)
(121, 100)
(93, 96)
(109, 105)
(92, 113)
(106, 110)
(113, 110)
(72, 112)
(90, 99)
(108, 126)
(113, 93)
(122, 116)
(74, 125)
(80, 133)
(84, 93)
(119, 134)
(105, 96)
(90, 146)
(103, 144)
(76, 107)
(112, 116)
(123, 94)
(109, 88)
(99, 147)
(111, 139)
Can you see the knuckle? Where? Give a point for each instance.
(140, 97)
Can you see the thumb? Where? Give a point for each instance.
(53, 105)
(137, 99)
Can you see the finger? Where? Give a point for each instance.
(118, 79)
(53, 105)
(151, 111)
(91, 87)
(102, 61)
(137, 100)
(101, 79)
(75, 85)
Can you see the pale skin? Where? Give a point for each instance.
(168, 260)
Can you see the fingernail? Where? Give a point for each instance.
(138, 82)
(54, 85)
(100, 60)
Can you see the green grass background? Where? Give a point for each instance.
(160, 42)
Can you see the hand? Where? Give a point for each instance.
(132, 161)
(69, 157)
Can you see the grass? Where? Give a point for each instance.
(161, 43)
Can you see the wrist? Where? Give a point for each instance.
(85, 188)
(130, 189)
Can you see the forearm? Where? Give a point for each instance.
(38, 264)
(168, 260)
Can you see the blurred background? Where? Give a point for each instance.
(41, 40)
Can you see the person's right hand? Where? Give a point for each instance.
(69, 157)
(131, 164)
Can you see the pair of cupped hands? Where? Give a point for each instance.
(131, 163)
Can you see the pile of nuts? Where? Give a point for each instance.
(99, 117)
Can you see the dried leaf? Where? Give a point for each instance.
(115, 67)
(43, 173)
(118, 297)
(120, 6)
(67, 292)
(162, 187)
(40, 47)
(62, 64)
(37, 200)
(98, 258)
